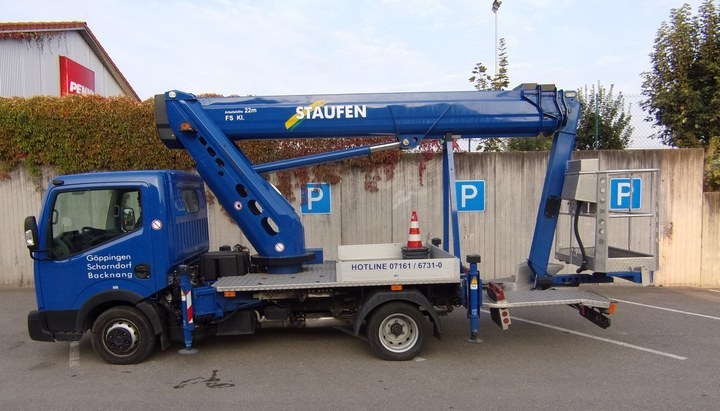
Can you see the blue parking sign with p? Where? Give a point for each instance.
(625, 193)
(315, 198)
(470, 195)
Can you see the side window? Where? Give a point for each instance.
(84, 219)
(190, 199)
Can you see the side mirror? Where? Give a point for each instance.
(31, 233)
(127, 220)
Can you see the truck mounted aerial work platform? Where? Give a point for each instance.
(126, 254)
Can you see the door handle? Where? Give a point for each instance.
(142, 271)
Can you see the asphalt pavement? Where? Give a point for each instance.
(661, 352)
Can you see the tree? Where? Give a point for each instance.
(683, 86)
(482, 81)
(539, 143)
(500, 81)
(712, 164)
(613, 123)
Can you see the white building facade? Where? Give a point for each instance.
(56, 59)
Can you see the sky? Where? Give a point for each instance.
(319, 46)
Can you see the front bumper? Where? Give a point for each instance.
(37, 327)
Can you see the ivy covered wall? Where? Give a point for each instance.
(75, 134)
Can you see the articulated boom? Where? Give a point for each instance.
(207, 128)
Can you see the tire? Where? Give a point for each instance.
(397, 331)
(123, 335)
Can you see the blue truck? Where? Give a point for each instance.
(125, 255)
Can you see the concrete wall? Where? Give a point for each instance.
(502, 234)
(710, 276)
(19, 197)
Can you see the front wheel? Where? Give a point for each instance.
(396, 331)
(123, 335)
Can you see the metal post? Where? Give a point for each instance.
(597, 117)
(450, 214)
(495, 8)
(496, 45)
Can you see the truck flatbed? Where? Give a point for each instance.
(357, 266)
(312, 277)
(325, 275)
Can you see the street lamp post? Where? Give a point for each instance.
(495, 7)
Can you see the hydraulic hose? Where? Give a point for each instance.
(583, 264)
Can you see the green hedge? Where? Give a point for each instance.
(76, 134)
(82, 133)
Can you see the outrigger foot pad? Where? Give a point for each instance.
(188, 351)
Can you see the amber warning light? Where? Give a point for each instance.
(611, 309)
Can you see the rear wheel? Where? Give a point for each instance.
(123, 335)
(397, 331)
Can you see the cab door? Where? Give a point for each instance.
(96, 243)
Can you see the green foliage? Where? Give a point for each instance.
(482, 81)
(613, 121)
(712, 164)
(81, 134)
(683, 87)
(491, 145)
(499, 81)
(539, 143)
(76, 134)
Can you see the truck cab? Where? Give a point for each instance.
(107, 239)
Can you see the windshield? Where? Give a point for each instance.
(84, 219)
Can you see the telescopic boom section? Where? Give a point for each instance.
(207, 127)
(523, 112)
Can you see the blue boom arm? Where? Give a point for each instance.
(207, 127)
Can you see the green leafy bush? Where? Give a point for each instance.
(76, 134)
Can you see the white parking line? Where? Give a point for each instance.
(74, 360)
(668, 309)
(714, 291)
(607, 340)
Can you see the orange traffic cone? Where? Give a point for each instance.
(414, 240)
(414, 248)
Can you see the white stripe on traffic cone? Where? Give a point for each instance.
(414, 240)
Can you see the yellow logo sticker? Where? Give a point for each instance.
(298, 118)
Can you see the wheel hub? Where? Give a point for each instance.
(397, 329)
(398, 333)
(121, 337)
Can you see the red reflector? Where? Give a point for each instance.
(185, 126)
(506, 320)
(505, 313)
(495, 291)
